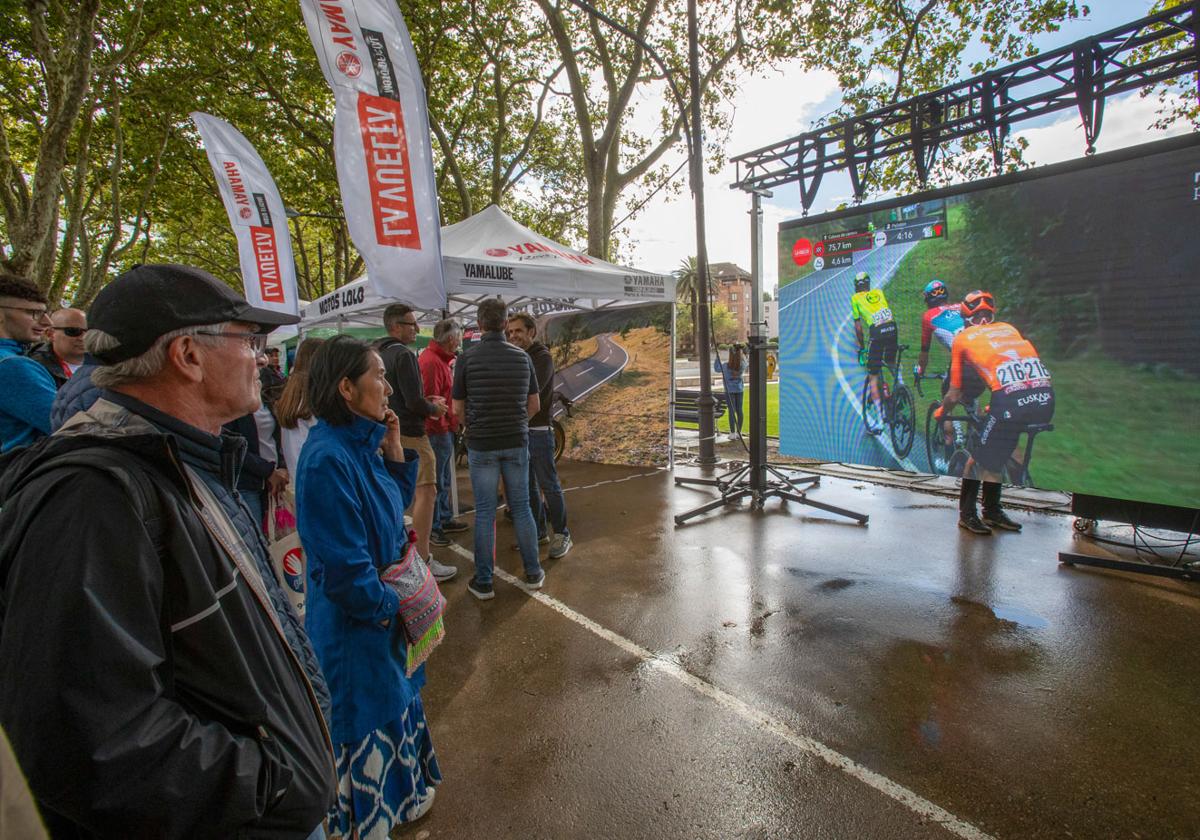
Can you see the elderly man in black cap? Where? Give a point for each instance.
(157, 683)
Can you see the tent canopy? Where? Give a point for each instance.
(490, 255)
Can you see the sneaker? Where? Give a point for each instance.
(999, 519)
(560, 545)
(973, 524)
(535, 581)
(438, 537)
(442, 572)
(454, 526)
(482, 591)
(423, 806)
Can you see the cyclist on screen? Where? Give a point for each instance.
(878, 345)
(942, 320)
(1021, 396)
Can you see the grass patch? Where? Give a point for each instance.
(772, 413)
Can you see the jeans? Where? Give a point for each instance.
(487, 467)
(735, 411)
(443, 448)
(543, 480)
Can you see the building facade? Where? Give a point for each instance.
(733, 291)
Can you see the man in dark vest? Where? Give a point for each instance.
(495, 393)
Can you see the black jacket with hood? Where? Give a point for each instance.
(152, 685)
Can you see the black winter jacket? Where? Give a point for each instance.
(543, 367)
(495, 378)
(408, 395)
(159, 692)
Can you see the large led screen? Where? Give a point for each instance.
(1094, 267)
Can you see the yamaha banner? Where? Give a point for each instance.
(381, 143)
(256, 213)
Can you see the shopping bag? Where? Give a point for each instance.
(422, 605)
(287, 555)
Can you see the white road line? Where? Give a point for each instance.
(833, 276)
(893, 790)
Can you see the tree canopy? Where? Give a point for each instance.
(543, 108)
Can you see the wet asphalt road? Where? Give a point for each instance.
(788, 674)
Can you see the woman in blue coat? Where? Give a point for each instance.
(353, 483)
(732, 372)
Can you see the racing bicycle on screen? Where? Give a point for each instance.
(899, 408)
(951, 458)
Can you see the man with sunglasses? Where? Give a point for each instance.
(62, 352)
(157, 681)
(26, 389)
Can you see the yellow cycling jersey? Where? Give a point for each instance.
(871, 307)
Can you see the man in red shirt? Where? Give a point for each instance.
(438, 380)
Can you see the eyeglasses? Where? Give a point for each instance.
(35, 314)
(255, 341)
(73, 332)
(408, 323)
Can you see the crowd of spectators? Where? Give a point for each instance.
(169, 688)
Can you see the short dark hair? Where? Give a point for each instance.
(394, 314)
(492, 315)
(526, 319)
(18, 287)
(341, 357)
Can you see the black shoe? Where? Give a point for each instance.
(535, 581)
(973, 524)
(436, 537)
(453, 526)
(482, 591)
(999, 519)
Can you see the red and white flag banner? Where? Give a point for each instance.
(381, 143)
(256, 214)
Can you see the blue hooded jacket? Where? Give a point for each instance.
(26, 394)
(350, 505)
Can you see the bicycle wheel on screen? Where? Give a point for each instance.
(560, 438)
(935, 443)
(871, 417)
(903, 420)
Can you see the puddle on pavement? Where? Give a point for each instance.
(1004, 613)
(835, 585)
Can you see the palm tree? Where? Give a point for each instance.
(687, 282)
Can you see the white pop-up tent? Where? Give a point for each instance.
(491, 255)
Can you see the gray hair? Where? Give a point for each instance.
(444, 330)
(144, 366)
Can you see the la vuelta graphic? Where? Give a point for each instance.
(262, 232)
(380, 122)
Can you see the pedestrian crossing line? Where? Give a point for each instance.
(893, 790)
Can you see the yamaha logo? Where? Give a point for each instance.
(497, 252)
(349, 64)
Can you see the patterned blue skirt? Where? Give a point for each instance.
(383, 778)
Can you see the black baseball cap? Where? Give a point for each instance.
(148, 301)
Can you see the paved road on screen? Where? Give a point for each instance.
(821, 383)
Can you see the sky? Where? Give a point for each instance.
(782, 104)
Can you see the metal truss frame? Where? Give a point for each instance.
(1083, 75)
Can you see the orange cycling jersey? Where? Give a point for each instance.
(1000, 355)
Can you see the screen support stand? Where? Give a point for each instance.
(759, 480)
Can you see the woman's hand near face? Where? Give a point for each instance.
(393, 448)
